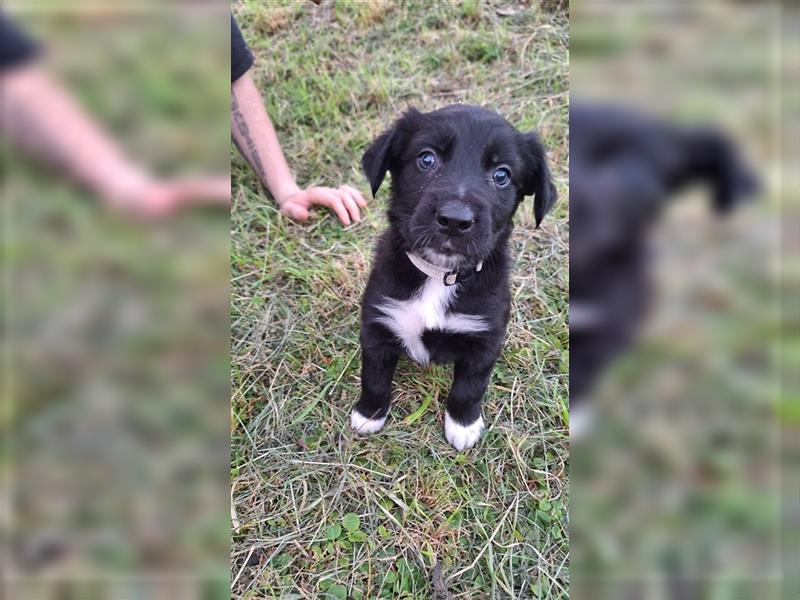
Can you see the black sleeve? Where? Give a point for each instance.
(15, 47)
(241, 57)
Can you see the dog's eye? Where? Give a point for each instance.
(426, 160)
(502, 177)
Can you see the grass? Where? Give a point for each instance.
(319, 513)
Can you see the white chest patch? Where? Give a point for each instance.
(426, 309)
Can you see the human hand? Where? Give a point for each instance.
(345, 201)
(147, 197)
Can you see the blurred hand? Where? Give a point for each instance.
(146, 197)
(345, 201)
(41, 116)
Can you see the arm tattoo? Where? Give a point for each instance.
(246, 145)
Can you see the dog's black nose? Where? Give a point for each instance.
(455, 218)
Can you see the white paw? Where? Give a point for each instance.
(581, 419)
(361, 424)
(462, 437)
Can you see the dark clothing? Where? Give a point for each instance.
(15, 47)
(241, 57)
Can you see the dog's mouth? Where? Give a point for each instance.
(447, 249)
(448, 253)
(444, 258)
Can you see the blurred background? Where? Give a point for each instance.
(676, 488)
(115, 400)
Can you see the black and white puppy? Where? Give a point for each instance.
(439, 288)
(625, 167)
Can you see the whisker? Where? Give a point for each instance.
(420, 241)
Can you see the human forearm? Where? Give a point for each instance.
(255, 137)
(38, 115)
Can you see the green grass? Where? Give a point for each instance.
(318, 512)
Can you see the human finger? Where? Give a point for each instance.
(295, 211)
(350, 204)
(204, 190)
(357, 196)
(327, 197)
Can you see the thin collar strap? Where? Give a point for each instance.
(446, 276)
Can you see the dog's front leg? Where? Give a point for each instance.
(463, 423)
(377, 369)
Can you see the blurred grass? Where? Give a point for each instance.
(323, 514)
(116, 377)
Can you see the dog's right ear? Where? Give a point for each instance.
(375, 161)
(378, 157)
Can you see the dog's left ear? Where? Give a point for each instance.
(536, 180)
(708, 155)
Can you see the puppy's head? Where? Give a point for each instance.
(625, 167)
(458, 175)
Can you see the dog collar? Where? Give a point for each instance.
(446, 276)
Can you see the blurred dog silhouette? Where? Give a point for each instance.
(624, 168)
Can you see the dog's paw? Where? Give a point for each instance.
(460, 436)
(581, 422)
(362, 425)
